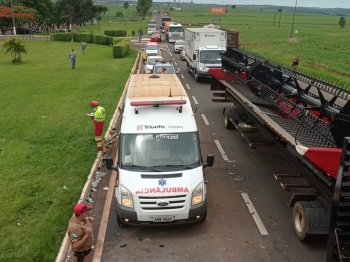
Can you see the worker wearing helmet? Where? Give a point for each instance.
(99, 120)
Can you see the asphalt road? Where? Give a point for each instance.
(230, 232)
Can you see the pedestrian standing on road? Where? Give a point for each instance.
(295, 62)
(80, 232)
(83, 46)
(140, 33)
(99, 120)
(72, 56)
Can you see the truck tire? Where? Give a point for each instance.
(188, 68)
(300, 219)
(227, 122)
(196, 77)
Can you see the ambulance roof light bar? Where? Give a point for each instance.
(158, 103)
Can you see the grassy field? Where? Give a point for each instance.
(46, 140)
(323, 46)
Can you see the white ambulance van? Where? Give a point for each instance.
(160, 170)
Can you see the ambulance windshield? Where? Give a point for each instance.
(170, 150)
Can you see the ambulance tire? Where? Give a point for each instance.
(204, 216)
(119, 221)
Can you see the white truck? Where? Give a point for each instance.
(173, 31)
(203, 47)
(160, 170)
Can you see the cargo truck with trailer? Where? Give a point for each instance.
(307, 117)
(160, 170)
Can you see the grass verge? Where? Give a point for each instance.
(46, 140)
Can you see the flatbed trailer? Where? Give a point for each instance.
(266, 102)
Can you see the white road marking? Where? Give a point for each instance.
(221, 150)
(205, 119)
(173, 58)
(255, 215)
(195, 100)
(188, 87)
(178, 69)
(183, 76)
(175, 63)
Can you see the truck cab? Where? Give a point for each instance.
(173, 31)
(160, 170)
(203, 50)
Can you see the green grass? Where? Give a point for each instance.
(46, 140)
(323, 46)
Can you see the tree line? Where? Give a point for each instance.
(48, 14)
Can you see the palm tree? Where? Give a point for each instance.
(342, 22)
(279, 22)
(16, 47)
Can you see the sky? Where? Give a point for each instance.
(304, 3)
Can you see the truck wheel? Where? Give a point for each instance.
(227, 122)
(300, 219)
(196, 77)
(188, 68)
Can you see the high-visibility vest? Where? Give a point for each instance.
(100, 114)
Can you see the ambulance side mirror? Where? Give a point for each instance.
(109, 163)
(210, 161)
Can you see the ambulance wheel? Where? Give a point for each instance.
(119, 221)
(204, 216)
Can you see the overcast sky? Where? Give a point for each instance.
(305, 3)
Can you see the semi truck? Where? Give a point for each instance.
(203, 47)
(307, 117)
(160, 170)
(173, 31)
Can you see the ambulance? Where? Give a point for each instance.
(160, 170)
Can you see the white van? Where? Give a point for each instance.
(160, 170)
(151, 28)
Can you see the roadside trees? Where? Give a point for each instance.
(342, 22)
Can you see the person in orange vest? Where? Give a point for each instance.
(99, 120)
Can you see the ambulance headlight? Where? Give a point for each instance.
(197, 194)
(127, 200)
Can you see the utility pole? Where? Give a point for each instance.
(13, 20)
(295, 9)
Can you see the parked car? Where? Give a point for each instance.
(179, 44)
(156, 37)
(151, 49)
(183, 53)
(164, 67)
(150, 62)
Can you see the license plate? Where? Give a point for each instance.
(163, 219)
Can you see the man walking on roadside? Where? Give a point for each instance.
(72, 55)
(99, 120)
(80, 232)
(295, 63)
